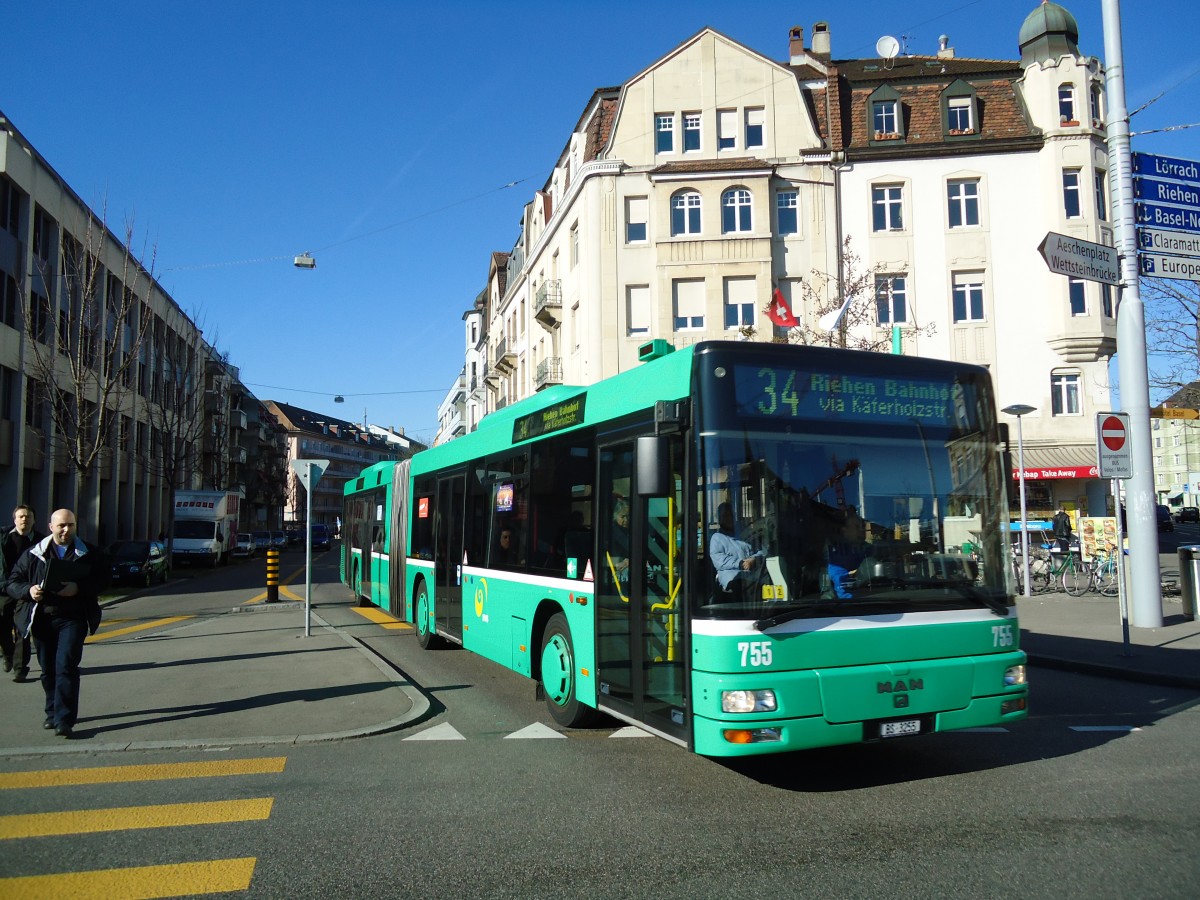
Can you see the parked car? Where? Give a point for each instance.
(1165, 522)
(139, 562)
(245, 546)
(279, 540)
(262, 540)
(295, 537)
(1189, 514)
(321, 537)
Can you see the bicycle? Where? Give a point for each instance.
(1103, 570)
(1045, 574)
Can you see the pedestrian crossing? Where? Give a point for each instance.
(186, 878)
(444, 731)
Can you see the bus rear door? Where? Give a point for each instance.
(449, 555)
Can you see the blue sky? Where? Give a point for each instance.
(380, 136)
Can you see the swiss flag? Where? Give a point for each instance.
(780, 313)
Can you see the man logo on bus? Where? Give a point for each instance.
(890, 687)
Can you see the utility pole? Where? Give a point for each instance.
(1145, 584)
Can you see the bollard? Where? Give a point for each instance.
(272, 576)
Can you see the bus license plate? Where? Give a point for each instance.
(899, 729)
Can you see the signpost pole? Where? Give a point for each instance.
(1133, 377)
(1122, 598)
(308, 552)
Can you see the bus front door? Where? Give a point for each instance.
(639, 653)
(449, 557)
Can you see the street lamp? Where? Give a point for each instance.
(1019, 410)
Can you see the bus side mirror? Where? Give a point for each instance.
(654, 465)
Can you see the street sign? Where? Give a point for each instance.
(1112, 445)
(1173, 412)
(1165, 167)
(1155, 265)
(1177, 243)
(1080, 259)
(1166, 192)
(1171, 217)
(303, 468)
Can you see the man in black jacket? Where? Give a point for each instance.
(60, 614)
(12, 544)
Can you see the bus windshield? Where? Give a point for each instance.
(854, 494)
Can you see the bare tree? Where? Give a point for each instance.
(1172, 337)
(84, 325)
(176, 413)
(863, 289)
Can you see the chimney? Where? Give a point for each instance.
(820, 39)
(796, 45)
(945, 51)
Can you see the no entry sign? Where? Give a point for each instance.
(1112, 445)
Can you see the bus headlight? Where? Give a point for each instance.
(747, 701)
(1014, 675)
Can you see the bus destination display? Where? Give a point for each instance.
(553, 418)
(777, 392)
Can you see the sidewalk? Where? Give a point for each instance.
(247, 677)
(252, 677)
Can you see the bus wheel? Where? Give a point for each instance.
(558, 675)
(423, 620)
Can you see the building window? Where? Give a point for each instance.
(43, 234)
(739, 302)
(787, 206)
(691, 132)
(685, 213)
(1071, 203)
(885, 116)
(688, 304)
(968, 297)
(891, 299)
(10, 206)
(1066, 103)
(637, 308)
(727, 127)
(736, 211)
(958, 115)
(963, 202)
(1064, 394)
(1097, 108)
(1101, 196)
(887, 202)
(9, 304)
(1078, 295)
(574, 245)
(637, 216)
(755, 118)
(664, 133)
(1106, 300)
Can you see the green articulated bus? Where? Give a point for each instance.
(744, 548)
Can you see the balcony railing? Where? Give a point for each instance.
(549, 371)
(506, 360)
(547, 303)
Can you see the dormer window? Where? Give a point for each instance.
(1097, 108)
(960, 111)
(886, 115)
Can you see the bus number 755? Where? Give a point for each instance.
(755, 653)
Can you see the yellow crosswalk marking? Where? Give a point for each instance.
(170, 815)
(163, 772)
(379, 617)
(140, 883)
(141, 626)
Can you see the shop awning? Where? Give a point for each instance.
(1068, 461)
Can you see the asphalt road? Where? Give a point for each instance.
(1095, 795)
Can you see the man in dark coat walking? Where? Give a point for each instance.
(12, 544)
(60, 614)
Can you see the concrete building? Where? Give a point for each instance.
(84, 327)
(685, 197)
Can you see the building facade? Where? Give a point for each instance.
(685, 198)
(110, 398)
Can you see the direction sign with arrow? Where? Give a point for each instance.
(1080, 259)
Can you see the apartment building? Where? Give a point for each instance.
(686, 197)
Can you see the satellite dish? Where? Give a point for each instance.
(887, 47)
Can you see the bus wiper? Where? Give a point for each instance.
(798, 613)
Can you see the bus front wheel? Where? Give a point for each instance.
(558, 675)
(423, 620)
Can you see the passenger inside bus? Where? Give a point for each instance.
(507, 551)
